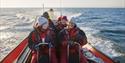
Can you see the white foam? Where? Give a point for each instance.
(75, 15)
(3, 27)
(4, 35)
(89, 31)
(104, 45)
(25, 17)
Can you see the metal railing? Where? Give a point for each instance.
(79, 50)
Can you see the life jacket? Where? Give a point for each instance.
(75, 35)
(69, 35)
(35, 38)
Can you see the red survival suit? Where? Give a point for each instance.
(35, 38)
(76, 35)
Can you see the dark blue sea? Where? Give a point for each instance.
(104, 27)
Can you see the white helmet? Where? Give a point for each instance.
(72, 19)
(71, 23)
(41, 21)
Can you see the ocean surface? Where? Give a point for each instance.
(104, 27)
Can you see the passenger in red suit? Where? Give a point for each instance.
(42, 33)
(62, 20)
(71, 34)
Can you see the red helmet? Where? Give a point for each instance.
(59, 19)
(62, 17)
(65, 18)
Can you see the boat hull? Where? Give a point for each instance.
(22, 54)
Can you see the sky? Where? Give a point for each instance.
(63, 3)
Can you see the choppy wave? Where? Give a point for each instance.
(105, 32)
(105, 45)
(14, 27)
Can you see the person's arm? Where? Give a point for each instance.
(51, 25)
(82, 38)
(61, 35)
(31, 43)
(53, 37)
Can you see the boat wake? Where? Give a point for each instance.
(13, 29)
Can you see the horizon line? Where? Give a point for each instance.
(62, 7)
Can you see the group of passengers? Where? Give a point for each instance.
(58, 35)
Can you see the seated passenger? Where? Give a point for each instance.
(41, 32)
(74, 34)
(62, 20)
(51, 24)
